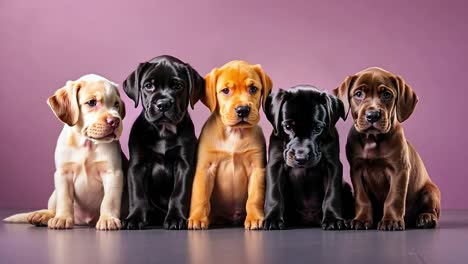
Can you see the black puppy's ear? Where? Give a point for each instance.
(335, 110)
(406, 100)
(342, 92)
(196, 85)
(131, 85)
(273, 105)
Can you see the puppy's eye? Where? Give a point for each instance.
(386, 95)
(288, 127)
(318, 129)
(177, 86)
(148, 86)
(359, 94)
(92, 102)
(225, 91)
(253, 89)
(116, 105)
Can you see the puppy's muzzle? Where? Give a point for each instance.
(242, 111)
(301, 156)
(373, 116)
(113, 122)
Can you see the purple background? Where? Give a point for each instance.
(45, 43)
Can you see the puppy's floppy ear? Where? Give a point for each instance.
(208, 97)
(273, 105)
(64, 103)
(131, 85)
(335, 110)
(267, 84)
(342, 92)
(406, 99)
(196, 85)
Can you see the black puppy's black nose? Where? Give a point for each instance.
(242, 111)
(164, 104)
(301, 156)
(373, 116)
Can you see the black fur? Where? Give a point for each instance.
(304, 183)
(162, 144)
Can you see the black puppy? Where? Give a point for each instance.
(304, 183)
(162, 143)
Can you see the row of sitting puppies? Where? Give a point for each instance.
(179, 183)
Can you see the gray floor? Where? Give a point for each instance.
(20, 243)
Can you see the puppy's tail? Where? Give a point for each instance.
(17, 218)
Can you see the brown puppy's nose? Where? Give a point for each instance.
(242, 111)
(373, 116)
(113, 122)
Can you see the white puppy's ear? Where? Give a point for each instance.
(64, 103)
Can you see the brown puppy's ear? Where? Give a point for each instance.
(335, 110)
(273, 105)
(208, 98)
(342, 92)
(406, 99)
(131, 85)
(196, 85)
(267, 84)
(64, 103)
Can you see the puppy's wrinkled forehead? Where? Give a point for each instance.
(99, 90)
(304, 109)
(238, 75)
(162, 73)
(373, 78)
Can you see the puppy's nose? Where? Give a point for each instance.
(113, 122)
(301, 156)
(242, 111)
(373, 116)
(164, 104)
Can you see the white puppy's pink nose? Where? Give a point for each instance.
(113, 122)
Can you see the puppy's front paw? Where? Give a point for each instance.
(426, 220)
(40, 218)
(391, 225)
(253, 223)
(60, 222)
(175, 222)
(334, 224)
(273, 224)
(108, 223)
(360, 224)
(137, 219)
(195, 223)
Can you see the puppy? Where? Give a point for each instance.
(162, 143)
(390, 181)
(88, 179)
(229, 182)
(304, 183)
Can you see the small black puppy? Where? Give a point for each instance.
(162, 143)
(304, 183)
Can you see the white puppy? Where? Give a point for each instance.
(89, 179)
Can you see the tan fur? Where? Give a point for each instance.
(89, 177)
(230, 175)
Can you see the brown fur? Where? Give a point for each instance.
(229, 183)
(390, 181)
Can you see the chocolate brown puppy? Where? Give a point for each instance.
(390, 181)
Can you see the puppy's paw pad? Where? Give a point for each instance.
(197, 224)
(108, 223)
(357, 224)
(60, 222)
(391, 225)
(175, 223)
(273, 224)
(40, 218)
(334, 224)
(426, 220)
